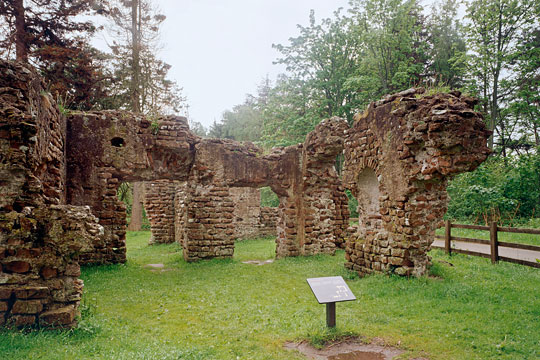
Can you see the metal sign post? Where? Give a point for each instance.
(331, 314)
(329, 290)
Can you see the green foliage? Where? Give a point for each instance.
(155, 127)
(493, 34)
(268, 197)
(353, 204)
(497, 191)
(244, 122)
(337, 66)
(447, 65)
(197, 128)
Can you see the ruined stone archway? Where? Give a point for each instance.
(413, 144)
(368, 196)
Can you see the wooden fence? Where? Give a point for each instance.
(493, 242)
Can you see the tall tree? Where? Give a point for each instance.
(447, 51)
(52, 36)
(245, 121)
(393, 31)
(525, 100)
(494, 26)
(141, 78)
(323, 57)
(142, 85)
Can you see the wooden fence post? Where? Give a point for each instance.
(494, 241)
(447, 237)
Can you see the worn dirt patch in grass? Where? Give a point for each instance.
(352, 349)
(258, 262)
(157, 267)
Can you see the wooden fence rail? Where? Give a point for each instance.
(493, 241)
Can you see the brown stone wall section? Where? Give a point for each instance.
(159, 205)
(209, 228)
(247, 212)
(325, 207)
(109, 147)
(40, 239)
(399, 155)
(268, 221)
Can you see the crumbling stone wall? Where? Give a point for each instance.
(40, 236)
(399, 155)
(325, 207)
(159, 205)
(313, 214)
(165, 204)
(247, 212)
(107, 148)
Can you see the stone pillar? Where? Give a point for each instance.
(209, 227)
(325, 210)
(111, 212)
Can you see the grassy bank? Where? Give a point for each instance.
(224, 309)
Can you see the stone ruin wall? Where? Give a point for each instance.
(59, 180)
(399, 155)
(325, 206)
(165, 203)
(107, 148)
(159, 204)
(40, 236)
(247, 214)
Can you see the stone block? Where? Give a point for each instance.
(27, 307)
(63, 316)
(31, 292)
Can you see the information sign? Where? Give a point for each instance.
(330, 289)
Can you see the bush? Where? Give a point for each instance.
(269, 198)
(497, 190)
(353, 204)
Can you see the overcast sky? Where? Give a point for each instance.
(221, 49)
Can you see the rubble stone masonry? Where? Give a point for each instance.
(59, 178)
(40, 236)
(399, 155)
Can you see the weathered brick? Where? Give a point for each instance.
(27, 307)
(62, 316)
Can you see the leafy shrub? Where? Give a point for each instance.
(269, 198)
(497, 190)
(353, 204)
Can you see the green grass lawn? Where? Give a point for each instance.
(224, 309)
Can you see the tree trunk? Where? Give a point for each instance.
(135, 54)
(20, 31)
(137, 207)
